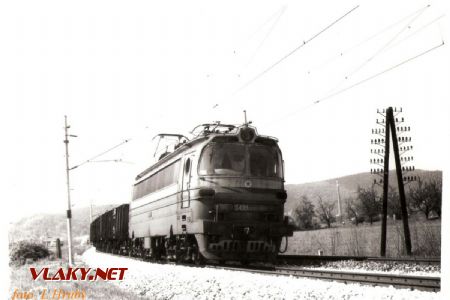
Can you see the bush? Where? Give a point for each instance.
(22, 251)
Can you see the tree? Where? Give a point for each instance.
(304, 214)
(370, 203)
(353, 211)
(426, 196)
(394, 207)
(325, 212)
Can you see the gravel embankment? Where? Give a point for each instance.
(157, 281)
(380, 267)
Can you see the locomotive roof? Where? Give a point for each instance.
(203, 137)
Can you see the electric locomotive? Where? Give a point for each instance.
(219, 196)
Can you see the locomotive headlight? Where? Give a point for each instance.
(247, 134)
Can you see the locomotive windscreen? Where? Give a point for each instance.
(240, 159)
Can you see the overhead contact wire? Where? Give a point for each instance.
(364, 80)
(103, 153)
(293, 51)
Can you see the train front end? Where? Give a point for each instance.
(241, 191)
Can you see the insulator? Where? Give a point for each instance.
(400, 109)
(396, 120)
(381, 181)
(414, 168)
(378, 110)
(409, 128)
(377, 121)
(395, 109)
(403, 119)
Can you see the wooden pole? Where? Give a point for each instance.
(385, 187)
(401, 187)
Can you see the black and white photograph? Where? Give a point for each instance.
(225, 149)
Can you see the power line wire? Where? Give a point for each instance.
(379, 73)
(380, 50)
(362, 81)
(280, 13)
(378, 33)
(292, 52)
(103, 153)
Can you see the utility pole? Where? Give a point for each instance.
(385, 186)
(401, 187)
(390, 127)
(69, 206)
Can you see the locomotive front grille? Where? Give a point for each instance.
(242, 246)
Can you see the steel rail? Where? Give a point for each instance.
(301, 259)
(425, 283)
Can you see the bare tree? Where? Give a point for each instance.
(325, 212)
(394, 207)
(426, 196)
(370, 203)
(353, 211)
(305, 214)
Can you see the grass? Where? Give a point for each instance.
(364, 240)
(21, 281)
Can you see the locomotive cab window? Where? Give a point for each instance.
(264, 162)
(240, 159)
(223, 159)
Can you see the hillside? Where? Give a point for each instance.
(54, 225)
(347, 186)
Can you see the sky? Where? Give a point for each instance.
(130, 70)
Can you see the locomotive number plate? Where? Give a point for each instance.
(241, 207)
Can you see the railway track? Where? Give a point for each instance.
(425, 283)
(312, 259)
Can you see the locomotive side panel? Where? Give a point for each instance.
(154, 214)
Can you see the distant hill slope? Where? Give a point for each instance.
(54, 225)
(347, 186)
